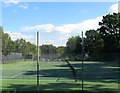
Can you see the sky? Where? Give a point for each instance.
(55, 21)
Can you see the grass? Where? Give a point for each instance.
(98, 76)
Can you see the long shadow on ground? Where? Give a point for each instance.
(55, 87)
(101, 71)
(94, 72)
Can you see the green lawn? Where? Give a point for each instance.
(98, 76)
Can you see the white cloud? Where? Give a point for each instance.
(24, 6)
(46, 27)
(47, 42)
(69, 0)
(67, 28)
(62, 32)
(113, 8)
(11, 1)
(58, 41)
(17, 35)
(7, 3)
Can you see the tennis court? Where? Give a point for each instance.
(98, 76)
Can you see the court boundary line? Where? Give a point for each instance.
(20, 73)
(17, 74)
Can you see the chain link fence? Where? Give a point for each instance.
(13, 57)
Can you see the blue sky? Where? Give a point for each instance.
(56, 22)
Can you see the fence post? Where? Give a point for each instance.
(82, 62)
(37, 61)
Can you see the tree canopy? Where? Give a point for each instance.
(106, 39)
(110, 32)
(17, 46)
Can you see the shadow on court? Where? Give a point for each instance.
(93, 72)
(54, 88)
(101, 71)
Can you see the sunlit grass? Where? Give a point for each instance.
(22, 76)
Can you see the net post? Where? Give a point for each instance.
(37, 61)
(82, 62)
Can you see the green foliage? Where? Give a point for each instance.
(110, 32)
(48, 49)
(24, 47)
(73, 45)
(6, 44)
(93, 42)
(105, 39)
(1, 32)
(60, 50)
(18, 46)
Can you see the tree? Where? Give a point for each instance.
(33, 49)
(20, 46)
(73, 45)
(110, 32)
(1, 32)
(93, 43)
(78, 49)
(73, 49)
(60, 50)
(7, 43)
(48, 49)
(26, 48)
(17, 46)
(11, 46)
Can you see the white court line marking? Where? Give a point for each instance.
(17, 74)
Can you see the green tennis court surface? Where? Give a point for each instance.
(98, 76)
